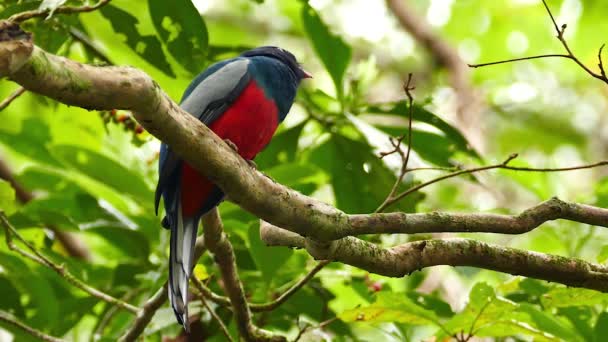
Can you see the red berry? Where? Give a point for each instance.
(113, 112)
(376, 286)
(122, 118)
(139, 129)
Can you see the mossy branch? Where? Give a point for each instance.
(413, 256)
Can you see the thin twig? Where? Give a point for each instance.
(559, 32)
(600, 61)
(20, 17)
(434, 168)
(504, 165)
(261, 307)
(407, 88)
(319, 326)
(7, 318)
(445, 55)
(14, 95)
(212, 296)
(570, 55)
(287, 294)
(519, 59)
(199, 285)
(59, 269)
(558, 169)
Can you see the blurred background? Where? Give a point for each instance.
(92, 174)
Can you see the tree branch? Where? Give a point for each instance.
(439, 222)
(414, 256)
(218, 244)
(74, 246)
(59, 269)
(7, 318)
(22, 16)
(144, 316)
(7, 101)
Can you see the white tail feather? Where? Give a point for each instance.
(183, 238)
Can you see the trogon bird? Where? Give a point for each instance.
(242, 100)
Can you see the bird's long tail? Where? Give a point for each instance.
(181, 255)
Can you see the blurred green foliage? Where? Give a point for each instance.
(93, 177)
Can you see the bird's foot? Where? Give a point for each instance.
(231, 144)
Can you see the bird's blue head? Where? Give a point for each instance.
(282, 55)
(279, 73)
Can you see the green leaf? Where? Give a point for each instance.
(483, 308)
(268, 259)
(72, 311)
(360, 180)
(430, 302)
(601, 328)
(601, 192)
(7, 197)
(432, 147)
(52, 33)
(580, 317)
(133, 244)
(65, 211)
(305, 178)
(148, 47)
(551, 324)
(565, 296)
(282, 148)
(331, 49)
(488, 315)
(104, 170)
(183, 31)
(10, 7)
(603, 255)
(392, 307)
(420, 114)
(42, 304)
(30, 141)
(9, 301)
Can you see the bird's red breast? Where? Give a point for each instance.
(249, 123)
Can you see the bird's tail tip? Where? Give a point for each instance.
(181, 311)
(183, 237)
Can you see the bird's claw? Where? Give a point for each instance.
(252, 164)
(232, 145)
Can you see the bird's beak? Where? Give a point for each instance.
(305, 74)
